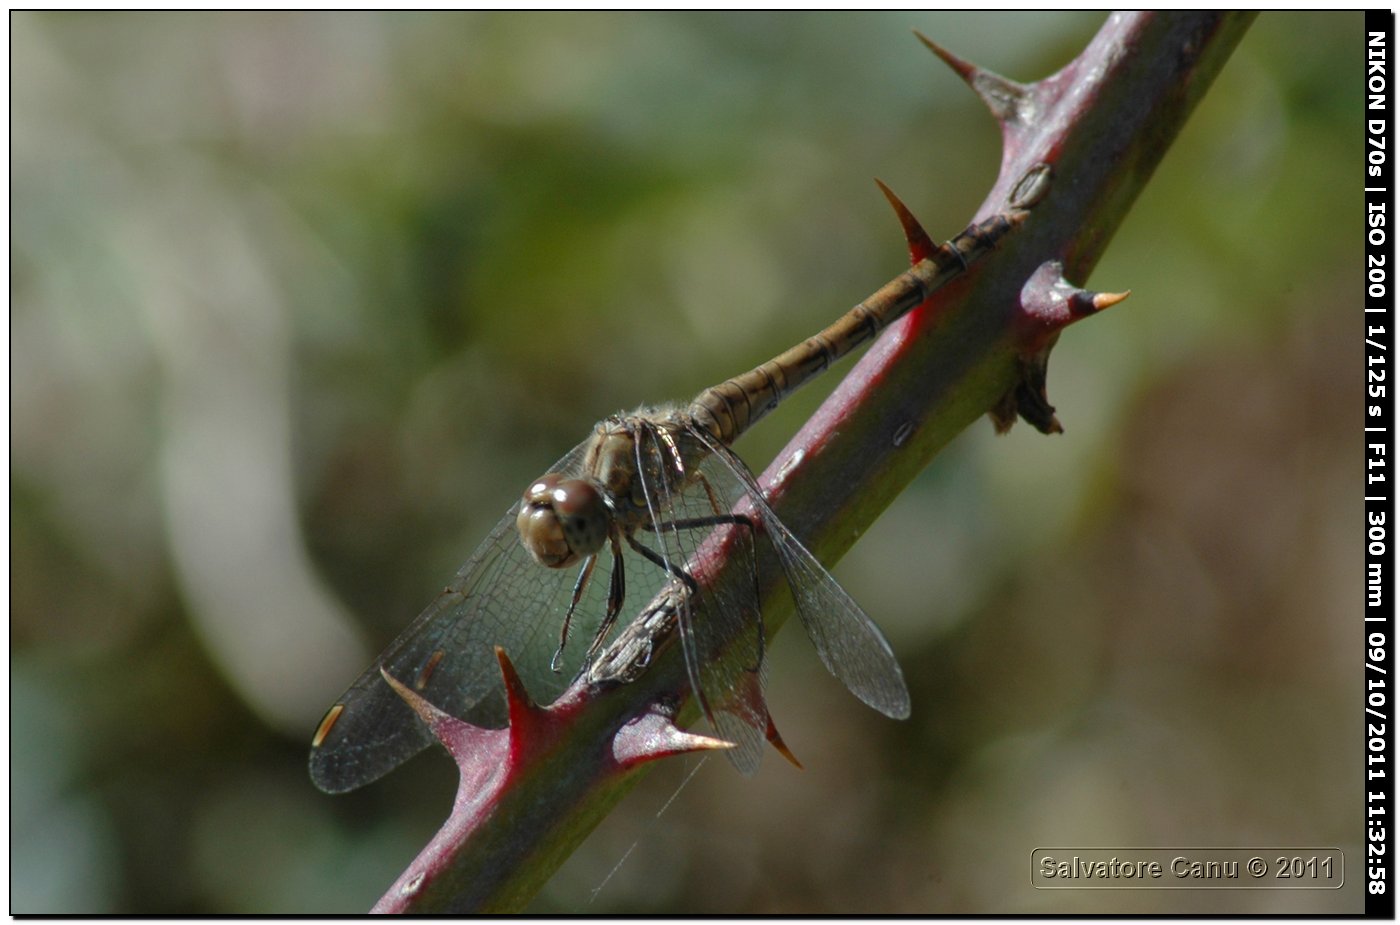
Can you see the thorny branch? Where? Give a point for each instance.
(531, 793)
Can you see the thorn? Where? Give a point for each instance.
(777, 742)
(459, 737)
(481, 755)
(1002, 96)
(964, 69)
(522, 709)
(1082, 303)
(1104, 300)
(435, 718)
(680, 741)
(920, 244)
(654, 735)
(1049, 302)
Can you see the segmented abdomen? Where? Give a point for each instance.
(735, 405)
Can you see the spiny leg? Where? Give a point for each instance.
(684, 576)
(617, 586)
(717, 520)
(658, 497)
(693, 523)
(647, 446)
(687, 523)
(584, 574)
(660, 561)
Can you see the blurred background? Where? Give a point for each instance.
(301, 301)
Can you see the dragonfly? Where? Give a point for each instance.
(642, 494)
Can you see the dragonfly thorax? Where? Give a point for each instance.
(563, 520)
(612, 460)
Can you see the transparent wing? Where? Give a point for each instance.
(721, 630)
(849, 643)
(500, 597)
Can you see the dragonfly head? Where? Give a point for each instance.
(563, 520)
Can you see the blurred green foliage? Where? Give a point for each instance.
(301, 301)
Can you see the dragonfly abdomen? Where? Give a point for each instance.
(732, 407)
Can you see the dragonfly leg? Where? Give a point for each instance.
(557, 662)
(692, 523)
(715, 521)
(617, 592)
(710, 493)
(654, 557)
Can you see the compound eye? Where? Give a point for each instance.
(563, 520)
